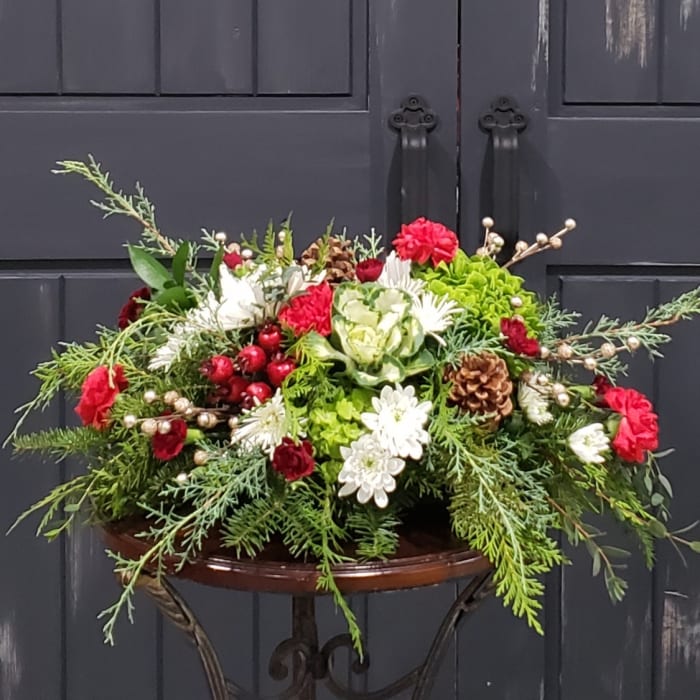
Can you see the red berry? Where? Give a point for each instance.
(218, 369)
(251, 359)
(257, 392)
(270, 337)
(237, 387)
(232, 260)
(280, 368)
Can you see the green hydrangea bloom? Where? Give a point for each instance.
(336, 422)
(485, 288)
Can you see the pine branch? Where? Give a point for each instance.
(59, 443)
(137, 207)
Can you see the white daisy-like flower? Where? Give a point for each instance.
(589, 443)
(241, 305)
(263, 426)
(434, 313)
(396, 274)
(534, 402)
(242, 301)
(398, 420)
(369, 470)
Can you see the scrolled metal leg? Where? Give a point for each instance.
(301, 653)
(174, 607)
(471, 596)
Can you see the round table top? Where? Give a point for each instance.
(423, 558)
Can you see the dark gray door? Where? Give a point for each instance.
(612, 93)
(229, 112)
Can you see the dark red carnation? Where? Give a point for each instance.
(369, 270)
(218, 369)
(98, 393)
(133, 308)
(639, 429)
(601, 386)
(232, 260)
(310, 311)
(425, 240)
(293, 460)
(168, 445)
(515, 332)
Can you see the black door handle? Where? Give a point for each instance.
(414, 120)
(504, 122)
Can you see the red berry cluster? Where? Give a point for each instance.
(247, 379)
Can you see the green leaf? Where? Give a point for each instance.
(657, 529)
(596, 563)
(656, 499)
(180, 263)
(695, 546)
(150, 270)
(616, 552)
(648, 483)
(71, 507)
(666, 484)
(214, 269)
(173, 298)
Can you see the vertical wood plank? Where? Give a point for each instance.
(677, 593)
(207, 47)
(96, 670)
(681, 52)
(28, 46)
(31, 589)
(109, 47)
(304, 47)
(622, 656)
(611, 51)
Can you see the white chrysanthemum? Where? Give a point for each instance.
(242, 301)
(398, 420)
(434, 313)
(396, 274)
(241, 305)
(534, 402)
(263, 426)
(589, 443)
(369, 470)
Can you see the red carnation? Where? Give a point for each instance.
(293, 460)
(639, 429)
(425, 240)
(98, 393)
(516, 337)
(133, 308)
(218, 369)
(165, 446)
(232, 260)
(369, 270)
(310, 311)
(601, 386)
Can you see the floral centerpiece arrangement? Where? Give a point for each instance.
(319, 397)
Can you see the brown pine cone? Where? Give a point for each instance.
(481, 384)
(338, 259)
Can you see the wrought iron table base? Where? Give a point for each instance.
(311, 664)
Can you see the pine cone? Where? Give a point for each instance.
(482, 385)
(339, 259)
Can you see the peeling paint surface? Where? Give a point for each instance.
(680, 641)
(688, 9)
(541, 53)
(9, 661)
(629, 29)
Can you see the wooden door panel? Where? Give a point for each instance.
(236, 114)
(613, 140)
(31, 584)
